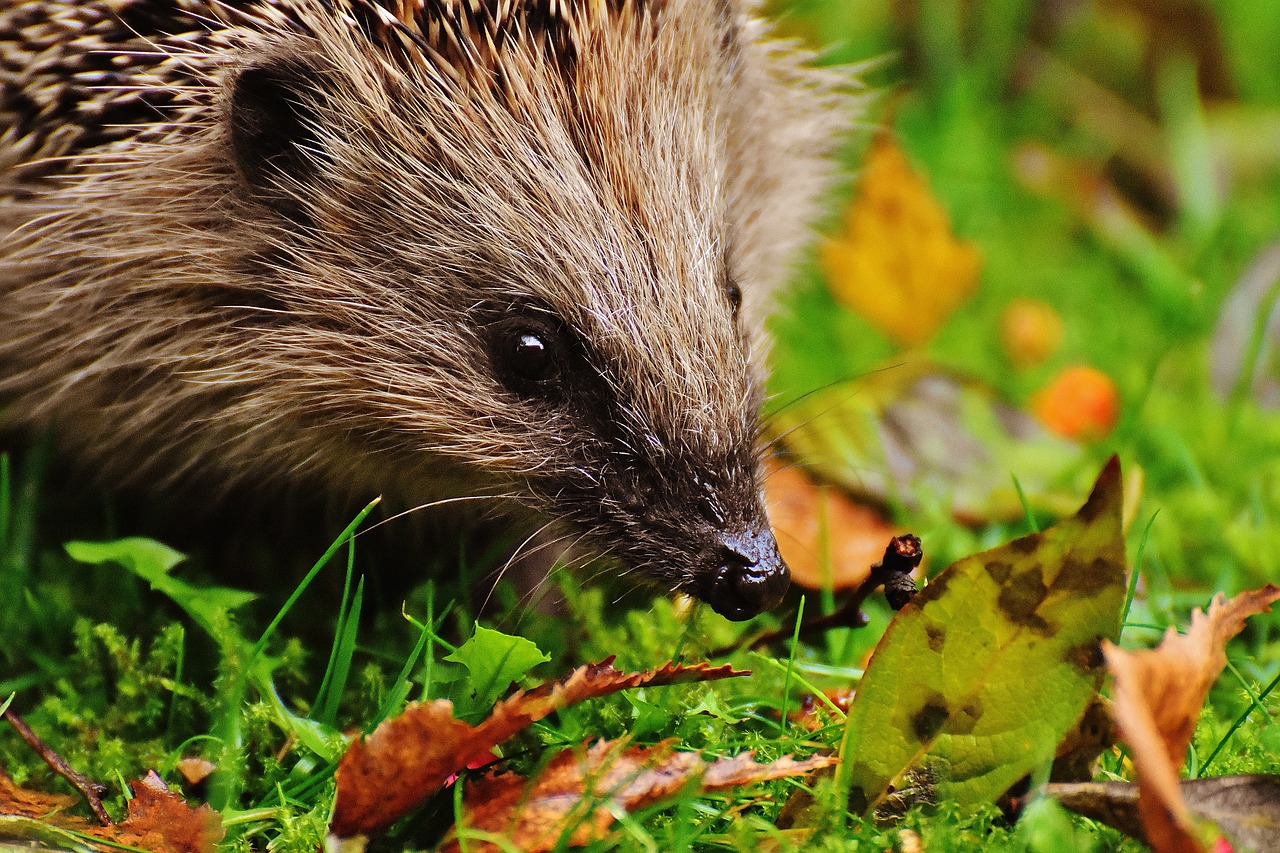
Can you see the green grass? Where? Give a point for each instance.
(121, 679)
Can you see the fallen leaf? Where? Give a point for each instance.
(158, 819)
(384, 776)
(23, 802)
(980, 676)
(827, 540)
(161, 820)
(1159, 694)
(577, 798)
(1246, 808)
(915, 430)
(897, 263)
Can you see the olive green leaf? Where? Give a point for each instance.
(916, 431)
(980, 676)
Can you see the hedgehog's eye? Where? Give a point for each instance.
(529, 356)
(735, 297)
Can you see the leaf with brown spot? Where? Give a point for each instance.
(384, 776)
(828, 540)
(1159, 694)
(576, 798)
(981, 675)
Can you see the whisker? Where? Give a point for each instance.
(432, 504)
(771, 416)
(518, 552)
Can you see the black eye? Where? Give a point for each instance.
(529, 356)
(735, 296)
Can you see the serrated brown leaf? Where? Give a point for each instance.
(576, 797)
(158, 819)
(161, 820)
(1158, 697)
(407, 759)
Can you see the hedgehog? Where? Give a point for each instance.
(518, 251)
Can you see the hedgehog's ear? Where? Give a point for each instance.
(272, 121)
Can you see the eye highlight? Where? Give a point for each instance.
(528, 354)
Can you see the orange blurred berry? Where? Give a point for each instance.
(1080, 403)
(1030, 331)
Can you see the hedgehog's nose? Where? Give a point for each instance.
(751, 576)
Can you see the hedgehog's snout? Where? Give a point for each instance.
(750, 576)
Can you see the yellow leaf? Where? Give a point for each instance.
(897, 263)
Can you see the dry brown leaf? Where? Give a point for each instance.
(23, 802)
(577, 796)
(195, 770)
(1158, 697)
(158, 819)
(407, 759)
(819, 527)
(161, 820)
(1246, 808)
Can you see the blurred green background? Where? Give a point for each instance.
(1120, 161)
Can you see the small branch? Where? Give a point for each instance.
(92, 791)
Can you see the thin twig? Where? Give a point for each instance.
(92, 791)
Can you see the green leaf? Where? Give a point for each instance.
(494, 660)
(978, 678)
(152, 562)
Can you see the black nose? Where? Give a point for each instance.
(750, 578)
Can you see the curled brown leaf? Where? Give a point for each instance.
(1158, 697)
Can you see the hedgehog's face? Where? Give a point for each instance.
(540, 291)
(651, 439)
